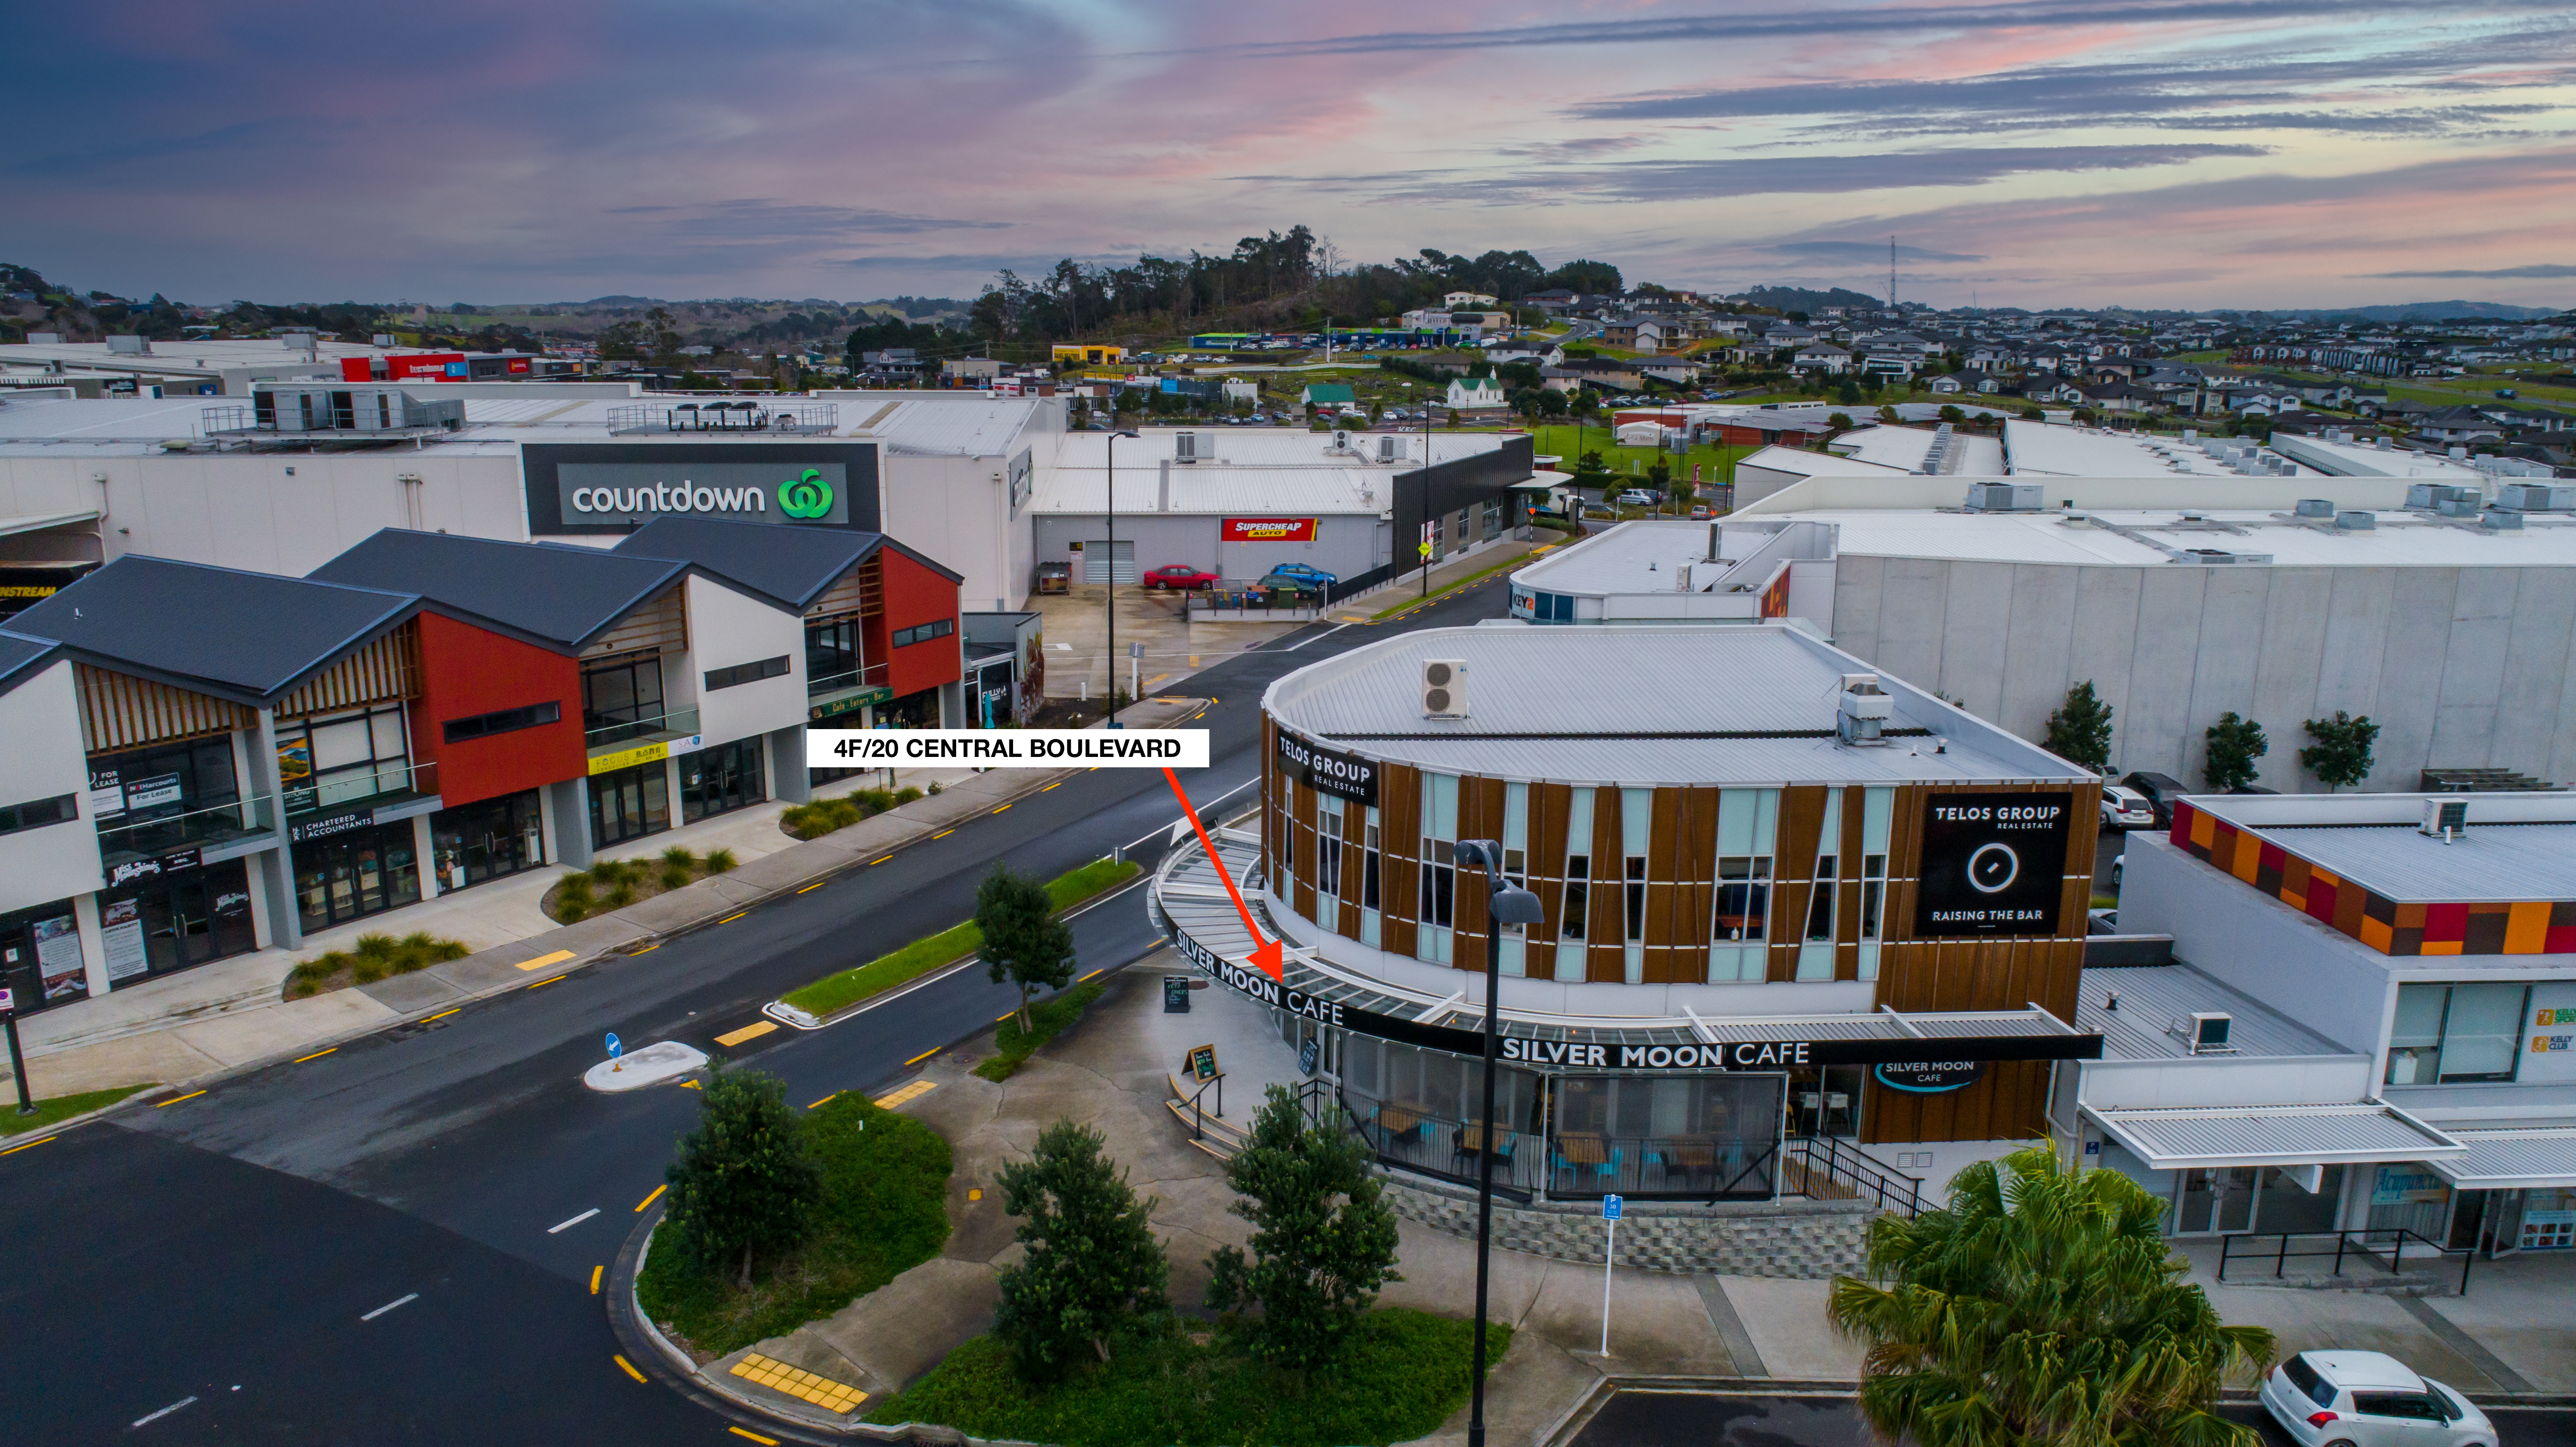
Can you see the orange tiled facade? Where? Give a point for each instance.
(2494, 927)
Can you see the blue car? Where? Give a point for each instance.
(1310, 576)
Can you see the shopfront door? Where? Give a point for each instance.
(40, 957)
(349, 876)
(177, 920)
(487, 839)
(2216, 1200)
(629, 803)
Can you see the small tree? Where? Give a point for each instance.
(744, 1178)
(1094, 1264)
(1323, 1239)
(1849, 393)
(2341, 753)
(2080, 731)
(1024, 943)
(1889, 416)
(2233, 746)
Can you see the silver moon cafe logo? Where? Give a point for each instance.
(1993, 868)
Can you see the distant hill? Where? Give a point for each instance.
(1800, 299)
(2429, 311)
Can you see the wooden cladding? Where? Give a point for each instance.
(860, 593)
(659, 625)
(382, 671)
(120, 711)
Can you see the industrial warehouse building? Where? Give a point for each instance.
(2452, 625)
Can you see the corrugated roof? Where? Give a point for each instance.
(2499, 862)
(563, 596)
(969, 426)
(1220, 489)
(2505, 1159)
(2171, 1139)
(22, 657)
(1267, 447)
(2400, 540)
(241, 635)
(791, 566)
(2152, 997)
(1636, 705)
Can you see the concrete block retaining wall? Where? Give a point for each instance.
(1807, 1240)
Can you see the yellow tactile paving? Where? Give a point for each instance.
(909, 1093)
(541, 961)
(752, 1031)
(799, 1383)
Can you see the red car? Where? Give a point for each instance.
(1180, 575)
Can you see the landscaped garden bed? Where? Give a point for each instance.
(837, 992)
(617, 883)
(372, 958)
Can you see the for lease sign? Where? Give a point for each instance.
(1268, 530)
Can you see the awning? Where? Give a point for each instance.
(2173, 1139)
(2501, 1160)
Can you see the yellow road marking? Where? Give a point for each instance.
(826, 1100)
(728, 919)
(974, 1193)
(316, 1055)
(630, 1368)
(441, 1015)
(541, 961)
(1086, 977)
(649, 1200)
(925, 1055)
(817, 884)
(944, 833)
(1005, 806)
(31, 1145)
(594, 1279)
(754, 1436)
(796, 1382)
(692, 1085)
(549, 981)
(907, 1094)
(1005, 1015)
(874, 862)
(1050, 786)
(1157, 678)
(752, 1031)
(648, 949)
(174, 1100)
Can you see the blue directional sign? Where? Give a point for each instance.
(1610, 1208)
(614, 1049)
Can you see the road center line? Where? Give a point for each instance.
(390, 1305)
(164, 1412)
(595, 1273)
(575, 1221)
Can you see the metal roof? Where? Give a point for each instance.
(791, 566)
(2399, 540)
(1639, 705)
(2152, 997)
(562, 596)
(970, 425)
(1633, 557)
(1266, 447)
(1217, 488)
(2170, 1139)
(2501, 862)
(241, 635)
(22, 658)
(2503, 1159)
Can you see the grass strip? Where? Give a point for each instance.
(1449, 587)
(882, 1212)
(57, 1109)
(1401, 1375)
(1052, 1016)
(834, 993)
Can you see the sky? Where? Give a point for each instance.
(2146, 153)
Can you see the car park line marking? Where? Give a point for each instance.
(40, 1140)
(1005, 1015)
(541, 961)
(629, 1366)
(575, 1221)
(441, 1015)
(754, 1436)
(174, 1100)
(691, 1085)
(817, 884)
(649, 1200)
(752, 1031)
(390, 1305)
(944, 833)
(550, 981)
(916, 1060)
(728, 919)
(1086, 977)
(316, 1055)
(164, 1412)
(594, 1279)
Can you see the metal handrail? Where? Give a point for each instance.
(1198, 1112)
(309, 796)
(855, 678)
(1857, 1170)
(677, 721)
(255, 806)
(2397, 1236)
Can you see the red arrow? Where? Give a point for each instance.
(1264, 955)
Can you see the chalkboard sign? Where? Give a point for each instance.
(1176, 994)
(1308, 1056)
(1203, 1063)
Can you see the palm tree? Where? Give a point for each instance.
(2041, 1306)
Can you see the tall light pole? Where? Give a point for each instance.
(1110, 588)
(1505, 903)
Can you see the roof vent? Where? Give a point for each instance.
(1864, 710)
(2314, 507)
(2356, 521)
(2445, 819)
(1444, 688)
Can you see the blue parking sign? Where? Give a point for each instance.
(1610, 1208)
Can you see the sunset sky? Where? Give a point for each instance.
(2177, 153)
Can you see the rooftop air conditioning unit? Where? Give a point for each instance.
(2207, 1030)
(2429, 496)
(2500, 522)
(2356, 521)
(2005, 497)
(2536, 497)
(1864, 710)
(1390, 448)
(1192, 446)
(1444, 688)
(1341, 442)
(2445, 819)
(2314, 507)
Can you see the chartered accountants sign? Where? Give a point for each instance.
(1993, 864)
(594, 488)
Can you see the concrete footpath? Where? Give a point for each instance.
(185, 1029)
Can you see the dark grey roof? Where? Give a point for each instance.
(555, 594)
(792, 566)
(22, 657)
(245, 636)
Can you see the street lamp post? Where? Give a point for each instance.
(1110, 586)
(1505, 903)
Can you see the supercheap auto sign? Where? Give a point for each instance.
(1268, 530)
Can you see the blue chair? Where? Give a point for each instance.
(1611, 1167)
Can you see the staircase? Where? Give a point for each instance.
(1218, 1137)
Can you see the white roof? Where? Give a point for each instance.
(2399, 540)
(2505, 1159)
(2152, 997)
(1799, 462)
(1216, 488)
(2040, 449)
(1267, 447)
(1630, 557)
(2351, 459)
(2171, 1139)
(1905, 448)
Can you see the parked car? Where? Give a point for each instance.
(1700, 512)
(2124, 808)
(1308, 577)
(2160, 790)
(1055, 577)
(1180, 575)
(1636, 497)
(2369, 1399)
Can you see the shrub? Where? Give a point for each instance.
(612, 871)
(908, 793)
(575, 885)
(572, 909)
(745, 1180)
(679, 854)
(720, 861)
(674, 875)
(369, 969)
(620, 897)
(1094, 1265)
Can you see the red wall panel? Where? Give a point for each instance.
(915, 595)
(467, 671)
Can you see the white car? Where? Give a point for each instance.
(2126, 809)
(2369, 1399)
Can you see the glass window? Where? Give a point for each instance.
(1878, 810)
(715, 780)
(2456, 1033)
(329, 759)
(2415, 1037)
(1515, 957)
(1574, 917)
(1369, 864)
(1816, 949)
(831, 652)
(1438, 905)
(621, 698)
(1747, 823)
(1328, 851)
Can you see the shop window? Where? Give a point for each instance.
(1636, 821)
(37, 813)
(40, 956)
(327, 760)
(147, 800)
(1439, 888)
(487, 839)
(1747, 825)
(621, 698)
(1878, 809)
(502, 721)
(832, 656)
(1816, 948)
(2456, 1033)
(1574, 918)
(342, 877)
(1328, 858)
(741, 673)
(629, 803)
(715, 780)
(923, 633)
(1370, 865)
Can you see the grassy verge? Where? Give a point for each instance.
(882, 1212)
(617, 883)
(835, 993)
(59, 1108)
(1051, 1016)
(372, 958)
(1402, 1375)
(821, 817)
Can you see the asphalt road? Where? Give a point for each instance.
(1708, 1419)
(221, 1250)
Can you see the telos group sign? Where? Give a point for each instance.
(1993, 864)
